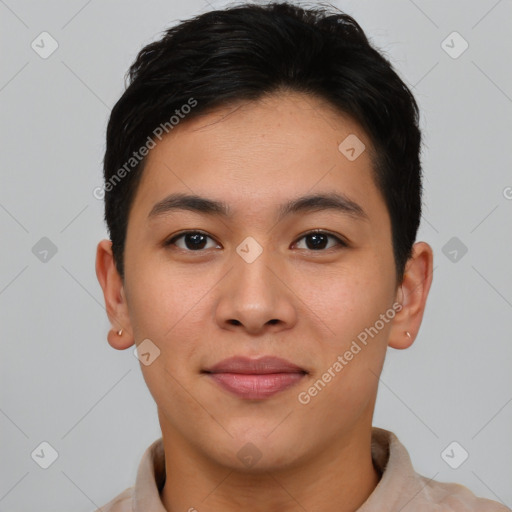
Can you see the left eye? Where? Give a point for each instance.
(197, 240)
(318, 240)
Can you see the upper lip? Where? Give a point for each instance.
(261, 365)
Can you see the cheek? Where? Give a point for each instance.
(346, 302)
(163, 297)
(165, 309)
(356, 309)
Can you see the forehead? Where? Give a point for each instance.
(250, 154)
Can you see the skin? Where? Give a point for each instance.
(303, 304)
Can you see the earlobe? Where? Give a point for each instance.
(412, 295)
(119, 340)
(400, 339)
(119, 337)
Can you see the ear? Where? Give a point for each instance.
(412, 295)
(115, 299)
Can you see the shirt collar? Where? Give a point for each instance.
(399, 484)
(150, 479)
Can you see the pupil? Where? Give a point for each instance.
(317, 244)
(196, 237)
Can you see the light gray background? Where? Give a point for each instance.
(60, 380)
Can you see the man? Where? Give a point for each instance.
(263, 194)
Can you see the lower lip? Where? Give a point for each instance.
(256, 387)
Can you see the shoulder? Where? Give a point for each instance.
(121, 503)
(450, 496)
(402, 488)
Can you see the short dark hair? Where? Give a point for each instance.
(248, 51)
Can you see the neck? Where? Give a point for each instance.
(338, 479)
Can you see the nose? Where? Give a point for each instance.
(256, 297)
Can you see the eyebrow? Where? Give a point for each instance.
(309, 203)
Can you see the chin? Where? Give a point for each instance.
(258, 449)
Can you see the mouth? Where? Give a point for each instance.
(255, 379)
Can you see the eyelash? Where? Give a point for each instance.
(340, 242)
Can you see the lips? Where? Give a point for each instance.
(255, 378)
(262, 365)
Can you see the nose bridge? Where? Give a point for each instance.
(252, 275)
(253, 295)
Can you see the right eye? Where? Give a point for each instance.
(193, 241)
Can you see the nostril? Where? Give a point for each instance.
(233, 321)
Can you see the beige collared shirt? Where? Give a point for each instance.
(399, 489)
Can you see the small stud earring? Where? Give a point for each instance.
(408, 334)
(120, 332)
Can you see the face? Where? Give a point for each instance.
(257, 280)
